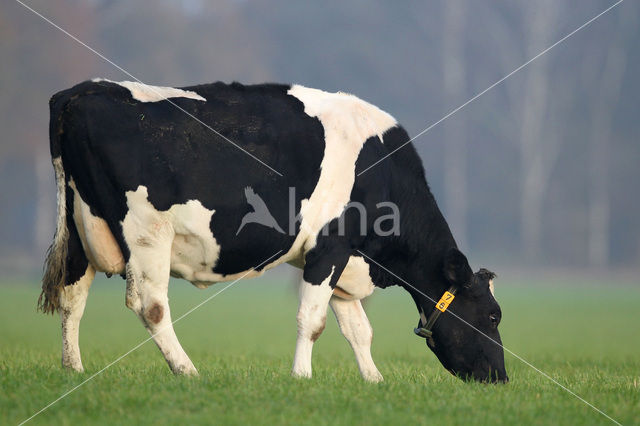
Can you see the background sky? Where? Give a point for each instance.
(541, 171)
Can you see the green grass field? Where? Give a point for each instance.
(585, 336)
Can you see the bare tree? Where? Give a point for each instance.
(538, 149)
(602, 111)
(455, 151)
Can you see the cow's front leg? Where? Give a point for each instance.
(356, 328)
(147, 293)
(312, 315)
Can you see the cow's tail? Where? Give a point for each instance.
(55, 267)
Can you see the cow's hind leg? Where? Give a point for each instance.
(147, 288)
(73, 298)
(355, 327)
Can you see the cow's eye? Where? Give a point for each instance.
(495, 319)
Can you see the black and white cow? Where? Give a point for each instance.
(147, 191)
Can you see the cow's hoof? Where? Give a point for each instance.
(373, 377)
(301, 374)
(73, 366)
(185, 370)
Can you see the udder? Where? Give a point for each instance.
(194, 250)
(189, 257)
(355, 281)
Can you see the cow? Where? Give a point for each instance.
(218, 182)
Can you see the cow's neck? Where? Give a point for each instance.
(425, 243)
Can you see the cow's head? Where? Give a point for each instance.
(471, 350)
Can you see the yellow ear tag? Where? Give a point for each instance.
(445, 301)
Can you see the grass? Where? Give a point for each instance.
(585, 336)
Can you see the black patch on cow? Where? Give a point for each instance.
(416, 254)
(456, 268)
(329, 256)
(76, 259)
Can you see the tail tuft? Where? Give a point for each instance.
(55, 268)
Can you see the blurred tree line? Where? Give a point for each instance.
(541, 170)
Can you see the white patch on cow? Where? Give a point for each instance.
(356, 328)
(355, 280)
(194, 246)
(348, 122)
(491, 288)
(97, 240)
(194, 249)
(147, 93)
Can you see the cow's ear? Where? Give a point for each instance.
(456, 268)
